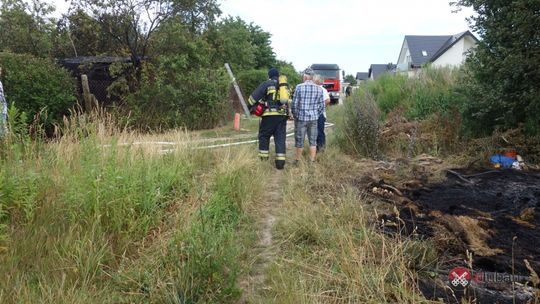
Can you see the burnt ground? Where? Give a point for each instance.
(493, 214)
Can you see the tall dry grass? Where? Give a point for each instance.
(330, 250)
(358, 126)
(99, 215)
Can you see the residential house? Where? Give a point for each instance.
(376, 70)
(361, 77)
(439, 51)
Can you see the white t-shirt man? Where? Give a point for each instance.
(326, 98)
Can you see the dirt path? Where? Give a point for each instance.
(253, 283)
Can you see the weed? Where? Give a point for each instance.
(89, 218)
(421, 116)
(330, 249)
(359, 130)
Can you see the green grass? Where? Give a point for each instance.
(200, 263)
(400, 116)
(81, 222)
(433, 91)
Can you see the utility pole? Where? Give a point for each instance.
(237, 89)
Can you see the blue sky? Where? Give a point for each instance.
(351, 33)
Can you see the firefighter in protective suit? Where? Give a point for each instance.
(272, 98)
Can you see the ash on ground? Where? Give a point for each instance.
(493, 214)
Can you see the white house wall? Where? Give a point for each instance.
(404, 55)
(456, 55)
(404, 52)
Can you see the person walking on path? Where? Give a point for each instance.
(321, 136)
(3, 110)
(348, 90)
(274, 118)
(307, 106)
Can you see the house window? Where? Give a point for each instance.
(424, 53)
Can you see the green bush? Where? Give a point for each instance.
(504, 74)
(249, 80)
(172, 96)
(37, 86)
(485, 111)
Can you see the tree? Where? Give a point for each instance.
(244, 46)
(260, 40)
(38, 86)
(197, 15)
(25, 27)
(231, 40)
(131, 23)
(174, 39)
(350, 79)
(81, 35)
(504, 71)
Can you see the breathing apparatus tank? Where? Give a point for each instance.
(284, 92)
(278, 99)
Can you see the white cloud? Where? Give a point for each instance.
(351, 33)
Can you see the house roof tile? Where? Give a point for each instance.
(362, 75)
(423, 48)
(377, 69)
(451, 42)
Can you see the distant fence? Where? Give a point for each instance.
(96, 69)
(98, 88)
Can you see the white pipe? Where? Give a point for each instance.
(169, 143)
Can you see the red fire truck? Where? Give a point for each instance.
(332, 82)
